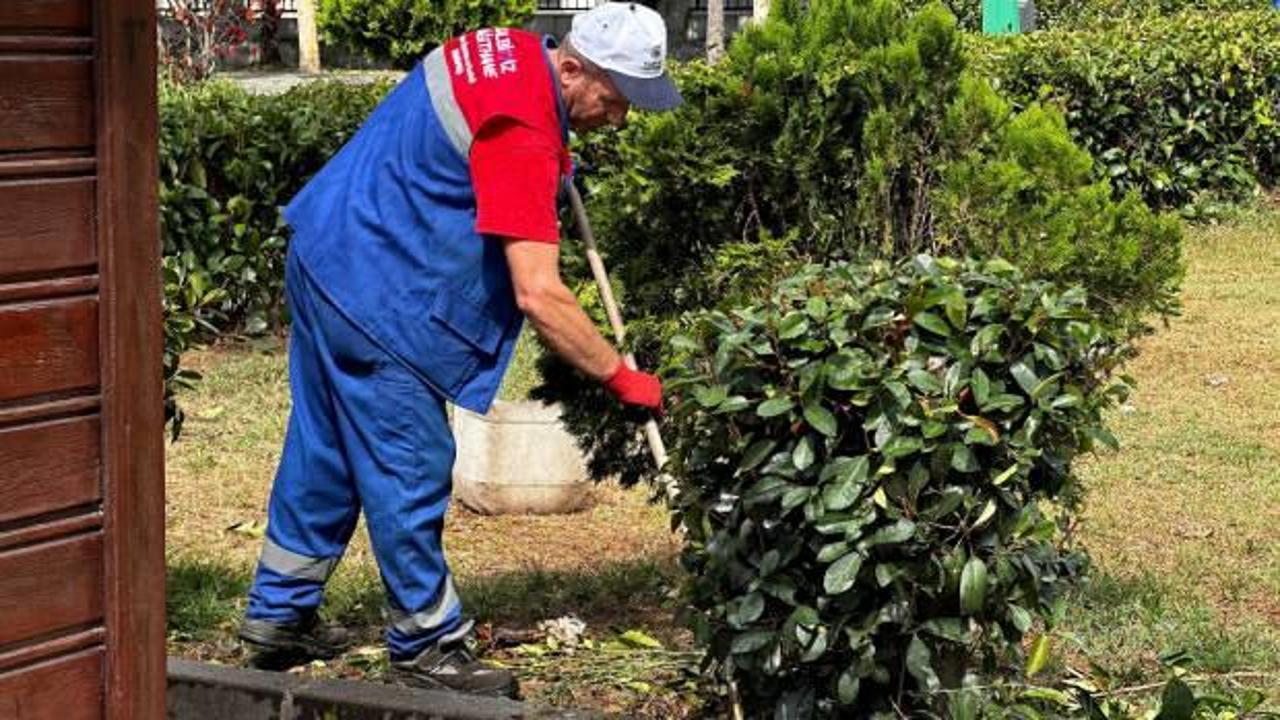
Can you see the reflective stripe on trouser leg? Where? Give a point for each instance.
(314, 505)
(428, 620)
(291, 564)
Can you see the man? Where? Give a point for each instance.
(416, 252)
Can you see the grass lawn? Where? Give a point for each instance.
(1183, 522)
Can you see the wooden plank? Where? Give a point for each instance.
(45, 15)
(52, 288)
(60, 645)
(45, 102)
(49, 347)
(46, 226)
(62, 407)
(49, 587)
(46, 165)
(49, 528)
(48, 467)
(132, 343)
(60, 44)
(50, 648)
(68, 688)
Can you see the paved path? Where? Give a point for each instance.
(274, 82)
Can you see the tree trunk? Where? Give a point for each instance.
(715, 30)
(308, 39)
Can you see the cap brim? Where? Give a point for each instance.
(659, 93)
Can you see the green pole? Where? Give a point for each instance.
(1000, 17)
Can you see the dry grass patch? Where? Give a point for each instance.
(1183, 522)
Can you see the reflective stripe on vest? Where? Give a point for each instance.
(440, 88)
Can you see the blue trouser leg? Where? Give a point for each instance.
(364, 431)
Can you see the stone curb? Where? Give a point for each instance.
(200, 691)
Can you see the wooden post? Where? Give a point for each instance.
(308, 38)
(715, 30)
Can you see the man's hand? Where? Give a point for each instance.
(633, 387)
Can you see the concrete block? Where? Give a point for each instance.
(200, 691)
(518, 459)
(216, 692)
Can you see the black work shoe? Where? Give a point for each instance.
(450, 664)
(279, 645)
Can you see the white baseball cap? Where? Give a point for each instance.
(629, 41)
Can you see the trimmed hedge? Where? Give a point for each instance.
(1181, 109)
(865, 455)
(402, 31)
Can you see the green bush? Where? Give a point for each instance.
(402, 31)
(1180, 109)
(865, 457)
(850, 130)
(228, 161)
(1079, 14)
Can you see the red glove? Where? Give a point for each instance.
(636, 388)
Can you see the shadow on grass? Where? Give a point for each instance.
(206, 598)
(203, 597)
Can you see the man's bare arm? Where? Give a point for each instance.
(554, 310)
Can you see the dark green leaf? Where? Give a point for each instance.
(815, 647)
(1025, 376)
(932, 323)
(981, 386)
(973, 586)
(924, 381)
(956, 310)
(948, 628)
(803, 454)
(795, 497)
(847, 687)
(920, 665)
(793, 326)
(1020, 618)
(900, 393)
(774, 406)
(842, 574)
(733, 404)
(756, 454)
(820, 419)
(834, 551)
(901, 446)
(710, 396)
(750, 608)
(901, 531)
(751, 641)
(849, 482)
(963, 459)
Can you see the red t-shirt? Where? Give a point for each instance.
(503, 85)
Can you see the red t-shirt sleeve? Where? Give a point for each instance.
(515, 171)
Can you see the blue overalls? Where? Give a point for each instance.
(397, 306)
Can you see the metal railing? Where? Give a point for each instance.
(288, 8)
(730, 6)
(565, 5)
(573, 6)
